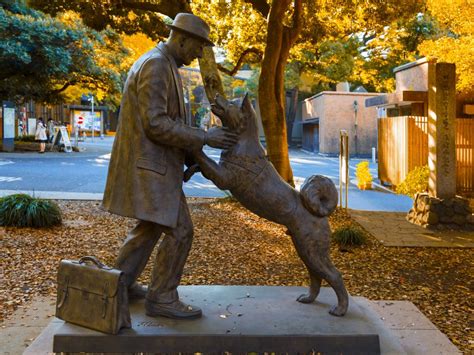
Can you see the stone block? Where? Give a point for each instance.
(435, 201)
(419, 218)
(449, 202)
(437, 208)
(459, 219)
(462, 200)
(430, 218)
(242, 319)
(470, 219)
(445, 219)
(449, 210)
(461, 208)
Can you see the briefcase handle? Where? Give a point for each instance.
(94, 260)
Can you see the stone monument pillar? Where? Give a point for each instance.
(440, 207)
(442, 130)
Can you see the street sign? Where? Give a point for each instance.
(61, 139)
(8, 129)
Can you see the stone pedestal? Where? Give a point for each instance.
(242, 319)
(433, 212)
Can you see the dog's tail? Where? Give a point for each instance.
(319, 195)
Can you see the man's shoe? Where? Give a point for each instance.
(175, 310)
(137, 291)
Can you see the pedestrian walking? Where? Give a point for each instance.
(50, 130)
(40, 134)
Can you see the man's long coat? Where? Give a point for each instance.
(146, 167)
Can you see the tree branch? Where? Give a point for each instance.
(260, 6)
(61, 89)
(168, 8)
(367, 37)
(297, 21)
(236, 68)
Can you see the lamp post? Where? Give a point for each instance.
(356, 108)
(92, 114)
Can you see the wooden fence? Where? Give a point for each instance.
(403, 145)
(465, 156)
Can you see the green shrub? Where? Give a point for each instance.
(348, 236)
(416, 181)
(29, 138)
(22, 210)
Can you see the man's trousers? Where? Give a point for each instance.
(171, 256)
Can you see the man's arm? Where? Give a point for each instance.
(154, 84)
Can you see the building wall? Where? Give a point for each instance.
(312, 107)
(413, 78)
(336, 112)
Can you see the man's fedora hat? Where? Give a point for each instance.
(193, 26)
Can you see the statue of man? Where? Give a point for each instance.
(146, 168)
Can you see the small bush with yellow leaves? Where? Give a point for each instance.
(363, 175)
(416, 181)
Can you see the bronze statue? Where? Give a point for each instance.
(253, 181)
(146, 168)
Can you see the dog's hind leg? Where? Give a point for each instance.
(334, 278)
(312, 245)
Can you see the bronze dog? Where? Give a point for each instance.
(253, 181)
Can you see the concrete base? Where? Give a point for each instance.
(238, 319)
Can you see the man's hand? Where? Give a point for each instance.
(221, 138)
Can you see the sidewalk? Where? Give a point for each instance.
(99, 146)
(393, 230)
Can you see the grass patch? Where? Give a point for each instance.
(349, 237)
(21, 210)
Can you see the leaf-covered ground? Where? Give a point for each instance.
(235, 247)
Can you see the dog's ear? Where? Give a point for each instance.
(246, 104)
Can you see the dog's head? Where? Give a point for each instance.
(232, 114)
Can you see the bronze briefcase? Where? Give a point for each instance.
(92, 295)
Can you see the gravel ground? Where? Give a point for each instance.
(235, 247)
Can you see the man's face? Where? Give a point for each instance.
(192, 49)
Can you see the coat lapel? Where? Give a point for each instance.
(176, 79)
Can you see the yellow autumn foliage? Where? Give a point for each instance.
(455, 18)
(137, 44)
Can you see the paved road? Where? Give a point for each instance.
(85, 173)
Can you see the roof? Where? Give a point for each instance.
(405, 97)
(343, 93)
(410, 65)
(310, 121)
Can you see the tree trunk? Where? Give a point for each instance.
(210, 75)
(271, 89)
(290, 111)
